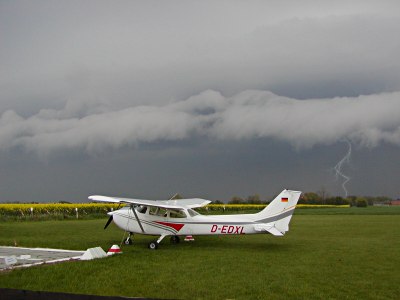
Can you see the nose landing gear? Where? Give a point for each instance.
(128, 240)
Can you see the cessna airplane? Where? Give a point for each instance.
(176, 218)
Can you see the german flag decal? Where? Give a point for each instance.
(285, 199)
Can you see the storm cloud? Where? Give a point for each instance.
(144, 53)
(366, 120)
(135, 88)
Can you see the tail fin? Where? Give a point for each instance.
(276, 216)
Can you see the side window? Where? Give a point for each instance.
(162, 212)
(158, 211)
(154, 210)
(177, 214)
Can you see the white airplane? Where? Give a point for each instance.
(176, 218)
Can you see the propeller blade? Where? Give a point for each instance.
(108, 222)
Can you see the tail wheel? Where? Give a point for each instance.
(153, 245)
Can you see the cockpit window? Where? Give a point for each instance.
(192, 212)
(177, 214)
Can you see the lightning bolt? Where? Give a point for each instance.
(339, 166)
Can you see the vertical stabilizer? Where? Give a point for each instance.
(276, 216)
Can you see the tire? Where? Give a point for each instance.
(153, 245)
(175, 239)
(128, 241)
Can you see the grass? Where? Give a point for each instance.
(330, 255)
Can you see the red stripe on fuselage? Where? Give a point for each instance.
(177, 227)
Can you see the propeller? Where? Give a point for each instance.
(108, 222)
(111, 218)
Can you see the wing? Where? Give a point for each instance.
(168, 204)
(189, 203)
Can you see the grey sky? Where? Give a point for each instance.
(166, 86)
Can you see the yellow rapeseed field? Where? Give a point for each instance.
(54, 208)
(26, 209)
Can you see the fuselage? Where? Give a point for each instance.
(158, 221)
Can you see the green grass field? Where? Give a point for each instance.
(351, 253)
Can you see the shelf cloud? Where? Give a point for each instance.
(366, 120)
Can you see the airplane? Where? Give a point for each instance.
(176, 218)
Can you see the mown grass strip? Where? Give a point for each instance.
(321, 257)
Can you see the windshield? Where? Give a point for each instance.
(192, 212)
(142, 209)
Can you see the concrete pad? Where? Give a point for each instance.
(26, 257)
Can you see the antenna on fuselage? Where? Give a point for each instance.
(173, 197)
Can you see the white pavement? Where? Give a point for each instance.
(25, 257)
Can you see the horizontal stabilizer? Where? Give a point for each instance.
(269, 228)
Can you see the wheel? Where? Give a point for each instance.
(175, 239)
(153, 245)
(128, 241)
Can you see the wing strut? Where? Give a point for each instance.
(137, 218)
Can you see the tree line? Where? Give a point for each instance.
(315, 198)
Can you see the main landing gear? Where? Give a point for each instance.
(153, 245)
(175, 239)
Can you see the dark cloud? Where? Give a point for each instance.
(91, 80)
(135, 53)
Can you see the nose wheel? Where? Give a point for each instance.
(128, 240)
